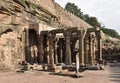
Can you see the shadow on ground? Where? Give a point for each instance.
(115, 74)
(68, 75)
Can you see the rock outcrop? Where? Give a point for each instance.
(16, 13)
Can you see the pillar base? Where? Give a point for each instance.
(54, 68)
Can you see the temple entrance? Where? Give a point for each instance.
(33, 46)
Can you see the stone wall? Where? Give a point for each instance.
(16, 13)
(38, 11)
(11, 52)
(65, 18)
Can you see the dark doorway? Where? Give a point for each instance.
(33, 57)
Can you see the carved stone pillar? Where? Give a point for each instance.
(55, 50)
(60, 50)
(90, 50)
(99, 41)
(86, 51)
(23, 42)
(41, 49)
(93, 48)
(68, 48)
(81, 35)
(51, 48)
(99, 49)
(47, 56)
(27, 49)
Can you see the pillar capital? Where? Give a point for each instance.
(98, 34)
(81, 33)
(67, 33)
(41, 37)
(51, 35)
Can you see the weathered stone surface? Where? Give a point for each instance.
(15, 17)
(11, 50)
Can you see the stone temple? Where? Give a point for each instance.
(42, 32)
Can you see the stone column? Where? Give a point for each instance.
(90, 50)
(68, 48)
(99, 41)
(41, 49)
(93, 48)
(81, 34)
(86, 50)
(55, 50)
(47, 51)
(23, 42)
(60, 50)
(99, 48)
(27, 49)
(51, 48)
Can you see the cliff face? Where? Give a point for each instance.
(23, 12)
(20, 12)
(15, 13)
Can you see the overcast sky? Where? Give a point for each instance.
(107, 11)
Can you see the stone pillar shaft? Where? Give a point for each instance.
(60, 51)
(51, 49)
(55, 51)
(99, 43)
(68, 48)
(47, 51)
(23, 41)
(86, 51)
(90, 51)
(81, 35)
(41, 50)
(27, 49)
(81, 50)
(99, 49)
(93, 53)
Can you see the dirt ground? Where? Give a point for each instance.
(109, 75)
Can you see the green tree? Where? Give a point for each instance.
(91, 20)
(71, 7)
(110, 32)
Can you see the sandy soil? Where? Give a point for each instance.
(109, 75)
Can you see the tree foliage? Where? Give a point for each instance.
(71, 7)
(110, 32)
(91, 20)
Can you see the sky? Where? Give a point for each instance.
(106, 11)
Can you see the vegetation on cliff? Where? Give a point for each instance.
(71, 7)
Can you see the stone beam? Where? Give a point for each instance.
(92, 30)
(57, 31)
(72, 29)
